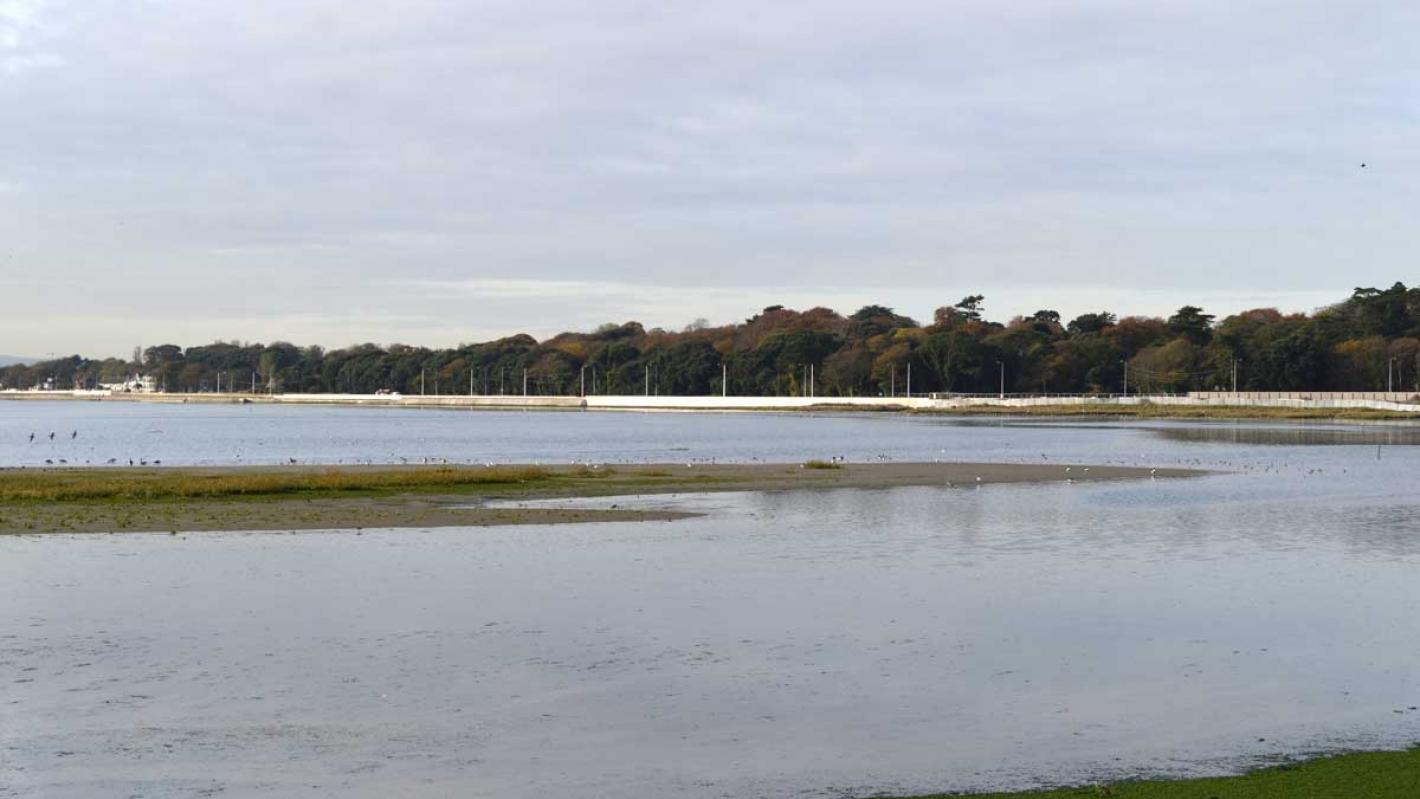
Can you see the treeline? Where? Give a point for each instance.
(1367, 342)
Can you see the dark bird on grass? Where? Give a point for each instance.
(73, 435)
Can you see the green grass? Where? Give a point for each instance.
(1362, 775)
(89, 485)
(1149, 411)
(818, 464)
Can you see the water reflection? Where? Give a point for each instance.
(1301, 434)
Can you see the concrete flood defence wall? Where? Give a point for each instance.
(1402, 402)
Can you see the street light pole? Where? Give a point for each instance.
(1002, 364)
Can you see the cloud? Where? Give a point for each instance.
(19, 21)
(561, 162)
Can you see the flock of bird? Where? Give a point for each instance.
(73, 436)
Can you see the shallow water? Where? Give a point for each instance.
(789, 643)
(94, 433)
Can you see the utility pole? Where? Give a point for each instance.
(1126, 378)
(421, 382)
(724, 380)
(812, 393)
(253, 382)
(1389, 381)
(893, 383)
(584, 381)
(470, 382)
(909, 380)
(1235, 375)
(525, 381)
(1002, 364)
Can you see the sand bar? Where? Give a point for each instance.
(177, 499)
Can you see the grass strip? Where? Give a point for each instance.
(1149, 411)
(1360, 775)
(94, 484)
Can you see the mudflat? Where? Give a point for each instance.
(178, 499)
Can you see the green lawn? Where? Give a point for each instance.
(1364, 775)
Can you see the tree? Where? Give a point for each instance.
(1191, 323)
(1086, 324)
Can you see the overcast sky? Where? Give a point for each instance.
(430, 171)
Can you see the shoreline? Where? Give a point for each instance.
(251, 498)
(1345, 406)
(1379, 774)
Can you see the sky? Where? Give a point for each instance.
(435, 172)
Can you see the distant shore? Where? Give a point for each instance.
(1398, 406)
(317, 498)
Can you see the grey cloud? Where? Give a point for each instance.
(331, 158)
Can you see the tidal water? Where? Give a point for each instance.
(95, 433)
(828, 643)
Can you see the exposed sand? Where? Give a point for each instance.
(443, 509)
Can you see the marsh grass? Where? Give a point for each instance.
(820, 464)
(91, 485)
(1373, 775)
(1156, 411)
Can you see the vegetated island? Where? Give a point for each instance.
(1373, 775)
(176, 499)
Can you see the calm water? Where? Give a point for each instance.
(94, 433)
(785, 644)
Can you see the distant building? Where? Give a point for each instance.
(137, 384)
